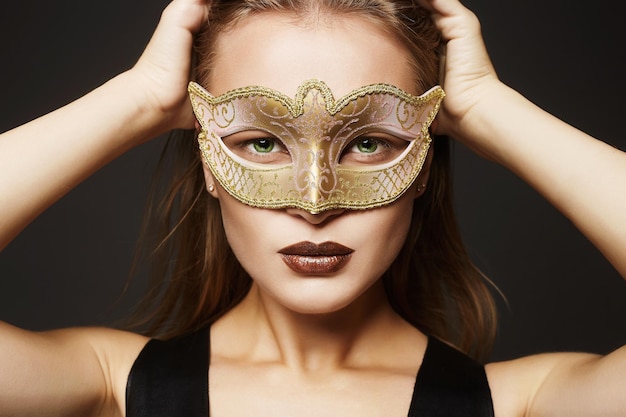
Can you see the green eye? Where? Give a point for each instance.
(263, 145)
(367, 145)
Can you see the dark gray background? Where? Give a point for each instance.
(69, 267)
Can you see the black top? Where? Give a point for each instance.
(170, 379)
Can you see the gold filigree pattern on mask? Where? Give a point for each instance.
(315, 130)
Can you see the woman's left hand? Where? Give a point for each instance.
(468, 76)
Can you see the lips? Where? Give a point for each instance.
(312, 258)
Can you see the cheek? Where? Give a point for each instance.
(383, 233)
(250, 232)
(243, 229)
(395, 235)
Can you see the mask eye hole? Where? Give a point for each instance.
(372, 149)
(259, 147)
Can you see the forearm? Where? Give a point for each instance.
(44, 159)
(582, 177)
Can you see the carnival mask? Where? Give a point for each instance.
(314, 131)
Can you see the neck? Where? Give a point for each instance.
(352, 336)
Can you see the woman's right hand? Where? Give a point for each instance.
(162, 72)
(42, 160)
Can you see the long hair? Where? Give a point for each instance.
(196, 278)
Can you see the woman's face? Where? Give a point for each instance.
(274, 245)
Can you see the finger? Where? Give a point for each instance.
(443, 7)
(187, 14)
(173, 36)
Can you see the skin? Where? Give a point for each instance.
(294, 332)
(274, 48)
(296, 351)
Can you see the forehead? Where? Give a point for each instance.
(274, 50)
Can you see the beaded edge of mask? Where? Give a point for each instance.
(296, 107)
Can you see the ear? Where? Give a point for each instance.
(209, 179)
(422, 178)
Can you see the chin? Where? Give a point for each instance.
(324, 299)
(317, 307)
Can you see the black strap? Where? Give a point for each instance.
(169, 379)
(450, 384)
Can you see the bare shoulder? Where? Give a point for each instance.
(115, 350)
(559, 384)
(92, 363)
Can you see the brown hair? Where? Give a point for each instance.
(196, 278)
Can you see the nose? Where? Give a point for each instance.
(315, 218)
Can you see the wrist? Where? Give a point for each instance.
(148, 115)
(490, 126)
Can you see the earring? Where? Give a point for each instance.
(421, 187)
(211, 188)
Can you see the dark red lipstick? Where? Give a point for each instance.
(313, 258)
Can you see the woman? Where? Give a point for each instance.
(291, 333)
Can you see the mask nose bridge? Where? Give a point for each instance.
(319, 166)
(314, 192)
(317, 127)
